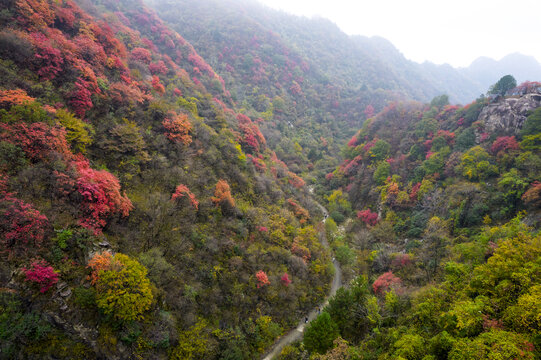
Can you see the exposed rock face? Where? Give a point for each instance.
(508, 115)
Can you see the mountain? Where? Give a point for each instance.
(186, 190)
(357, 65)
(142, 213)
(486, 71)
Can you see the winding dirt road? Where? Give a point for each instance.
(296, 333)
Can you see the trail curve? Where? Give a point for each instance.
(296, 334)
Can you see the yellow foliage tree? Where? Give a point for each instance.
(124, 291)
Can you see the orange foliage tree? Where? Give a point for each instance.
(99, 262)
(14, 97)
(178, 128)
(222, 194)
(183, 191)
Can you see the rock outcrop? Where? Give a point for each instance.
(507, 115)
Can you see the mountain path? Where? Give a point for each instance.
(296, 334)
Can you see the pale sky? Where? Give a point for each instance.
(454, 32)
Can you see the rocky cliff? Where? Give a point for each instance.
(508, 114)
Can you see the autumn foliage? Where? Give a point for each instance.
(14, 97)
(37, 140)
(285, 279)
(101, 196)
(532, 196)
(222, 194)
(123, 290)
(385, 282)
(182, 191)
(178, 128)
(42, 274)
(99, 262)
(262, 279)
(252, 139)
(505, 144)
(22, 227)
(368, 217)
(100, 192)
(301, 213)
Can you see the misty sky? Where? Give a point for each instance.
(454, 32)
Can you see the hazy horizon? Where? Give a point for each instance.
(424, 30)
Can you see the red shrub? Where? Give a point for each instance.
(400, 261)
(285, 279)
(262, 279)
(258, 163)
(37, 140)
(157, 85)
(41, 274)
(252, 139)
(181, 191)
(141, 54)
(301, 213)
(21, 226)
(414, 191)
(178, 127)
(101, 196)
(353, 141)
(14, 97)
(99, 262)
(368, 217)
(48, 60)
(504, 143)
(124, 93)
(295, 180)
(80, 98)
(158, 68)
(532, 196)
(385, 282)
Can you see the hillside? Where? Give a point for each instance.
(444, 214)
(359, 68)
(182, 183)
(142, 214)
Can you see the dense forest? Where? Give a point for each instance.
(162, 173)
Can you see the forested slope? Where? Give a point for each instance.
(142, 213)
(153, 201)
(444, 251)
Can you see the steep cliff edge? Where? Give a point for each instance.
(507, 115)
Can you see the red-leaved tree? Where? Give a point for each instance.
(80, 98)
(101, 196)
(262, 279)
(22, 227)
(37, 140)
(178, 128)
(222, 194)
(532, 196)
(385, 282)
(42, 274)
(253, 140)
(183, 191)
(157, 85)
(368, 217)
(14, 97)
(285, 279)
(505, 144)
(141, 54)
